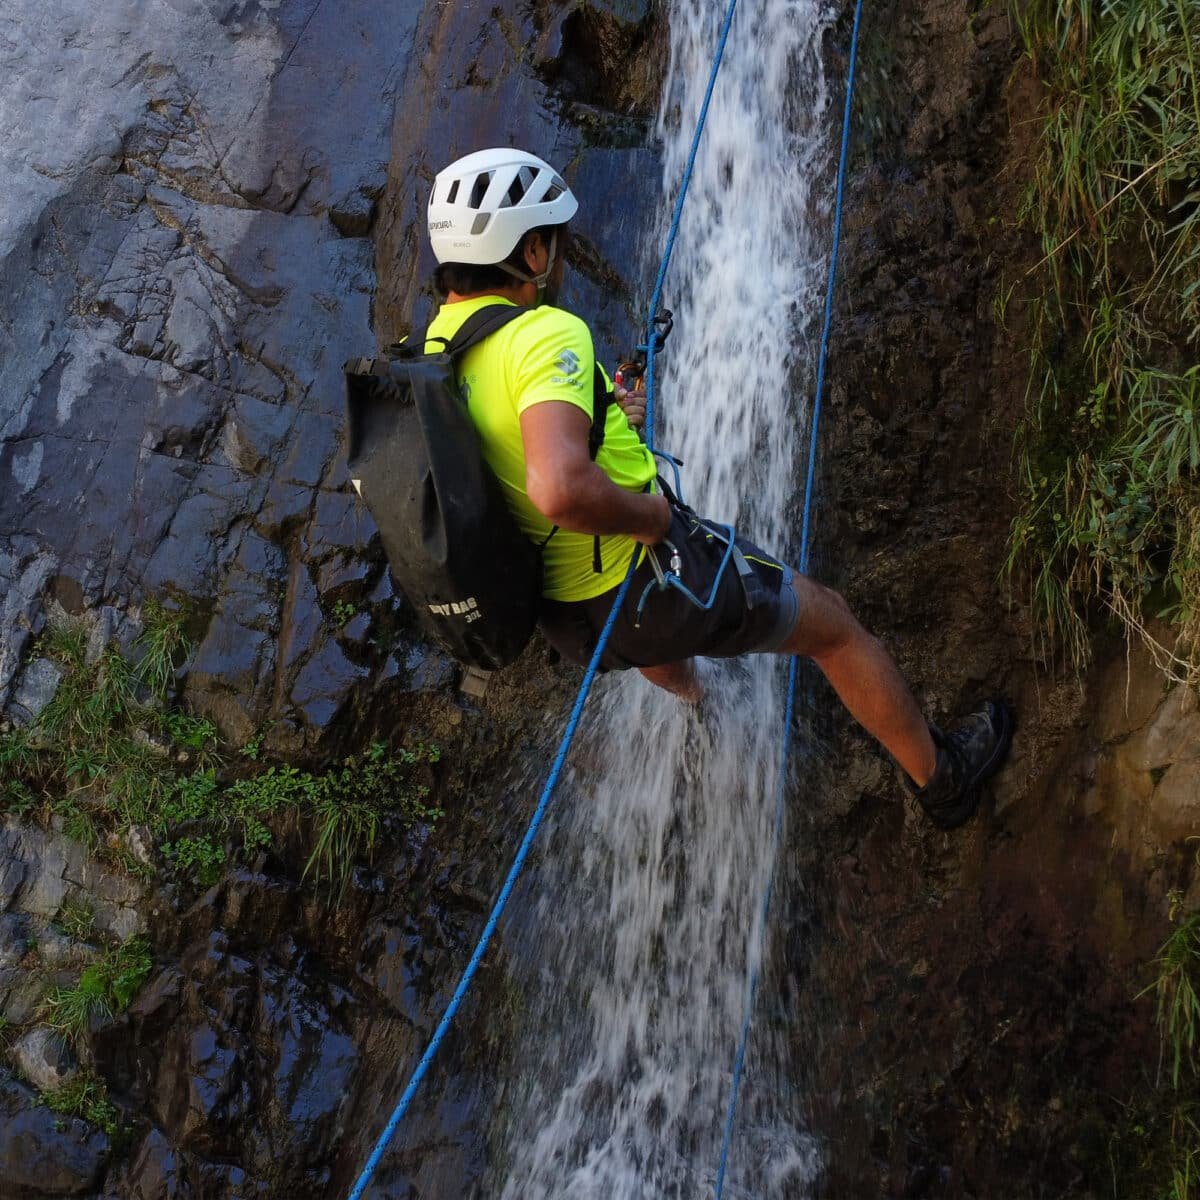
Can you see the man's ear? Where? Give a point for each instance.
(532, 251)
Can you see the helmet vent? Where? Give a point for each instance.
(480, 189)
(480, 224)
(518, 189)
(453, 191)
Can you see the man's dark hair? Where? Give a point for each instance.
(466, 278)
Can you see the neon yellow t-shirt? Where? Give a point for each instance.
(545, 354)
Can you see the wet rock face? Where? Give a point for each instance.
(44, 1059)
(580, 92)
(246, 1059)
(1142, 775)
(186, 260)
(37, 1159)
(263, 1056)
(40, 870)
(184, 266)
(15, 939)
(240, 1060)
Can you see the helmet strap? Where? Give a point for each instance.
(542, 278)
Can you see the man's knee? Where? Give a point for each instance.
(678, 678)
(825, 623)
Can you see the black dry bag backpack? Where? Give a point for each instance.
(453, 545)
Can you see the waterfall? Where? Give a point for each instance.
(640, 918)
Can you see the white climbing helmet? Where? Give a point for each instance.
(482, 205)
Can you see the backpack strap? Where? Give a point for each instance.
(488, 320)
(601, 399)
(483, 324)
(366, 366)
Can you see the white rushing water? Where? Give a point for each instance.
(650, 886)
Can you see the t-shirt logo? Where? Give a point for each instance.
(567, 365)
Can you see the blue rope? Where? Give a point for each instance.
(837, 242)
(673, 232)
(781, 796)
(522, 853)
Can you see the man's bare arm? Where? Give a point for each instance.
(569, 489)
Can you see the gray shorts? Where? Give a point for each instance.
(748, 616)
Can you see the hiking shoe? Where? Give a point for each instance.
(970, 753)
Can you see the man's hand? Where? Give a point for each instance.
(632, 404)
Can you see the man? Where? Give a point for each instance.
(497, 223)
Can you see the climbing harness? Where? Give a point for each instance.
(655, 336)
(631, 374)
(672, 576)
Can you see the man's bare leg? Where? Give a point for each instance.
(678, 678)
(864, 675)
(861, 671)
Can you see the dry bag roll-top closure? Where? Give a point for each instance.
(414, 456)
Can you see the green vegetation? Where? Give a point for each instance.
(344, 612)
(106, 753)
(1109, 451)
(194, 733)
(77, 919)
(1177, 991)
(350, 802)
(347, 805)
(104, 989)
(85, 1096)
(253, 748)
(1154, 1148)
(103, 747)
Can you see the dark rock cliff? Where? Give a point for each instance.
(971, 996)
(185, 266)
(220, 206)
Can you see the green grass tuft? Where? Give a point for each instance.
(102, 746)
(105, 988)
(1154, 1146)
(1109, 450)
(163, 645)
(104, 755)
(77, 919)
(1177, 992)
(86, 1096)
(350, 803)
